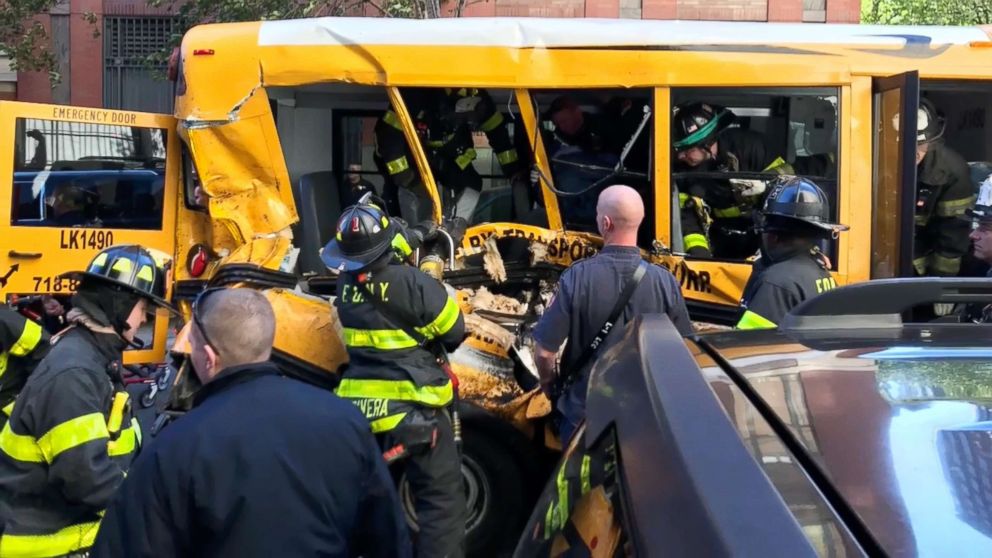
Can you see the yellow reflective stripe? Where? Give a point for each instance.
(397, 166)
(465, 159)
(28, 340)
(4, 357)
(99, 261)
(944, 265)
(401, 246)
(492, 122)
(9, 409)
(127, 442)
(386, 424)
(145, 273)
(955, 208)
(695, 240)
(750, 320)
(549, 520)
(562, 484)
(779, 165)
(728, 212)
(397, 390)
(65, 541)
(122, 266)
(393, 120)
(586, 484)
(920, 265)
(378, 338)
(507, 157)
(20, 447)
(443, 322)
(921, 220)
(72, 433)
(117, 411)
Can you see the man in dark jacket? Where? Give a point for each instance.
(263, 465)
(396, 320)
(23, 343)
(71, 436)
(588, 291)
(791, 269)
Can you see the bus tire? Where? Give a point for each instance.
(502, 479)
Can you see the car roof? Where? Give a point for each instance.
(898, 418)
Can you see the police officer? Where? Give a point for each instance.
(944, 192)
(791, 269)
(444, 119)
(588, 291)
(23, 343)
(71, 435)
(397, 321)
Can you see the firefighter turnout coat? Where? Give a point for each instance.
(388, 372)
(23, 343)
(66, 448)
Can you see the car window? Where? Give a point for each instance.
(75, 174)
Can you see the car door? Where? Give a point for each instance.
(75, 181)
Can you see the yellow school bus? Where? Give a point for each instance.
(274, 120)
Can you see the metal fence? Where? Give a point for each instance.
(130, 82)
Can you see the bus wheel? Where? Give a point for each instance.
(495, 496)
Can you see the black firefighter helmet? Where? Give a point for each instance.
(795, 204)
(131, 268)
(364, 233)
(699, 124)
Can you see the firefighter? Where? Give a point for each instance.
(980, 218)
(23, 343)
(397, 322)
(71, 436)
(791, 269)
(704, 141)
(944, 192)
(444, 120)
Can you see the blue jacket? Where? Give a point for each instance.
(262, 466)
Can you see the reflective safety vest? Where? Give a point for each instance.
(23, 343)
(389, 373)
(65, 450)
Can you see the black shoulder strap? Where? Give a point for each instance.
(622, 301)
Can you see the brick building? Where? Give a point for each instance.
(109, 70)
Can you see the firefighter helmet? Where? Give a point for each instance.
(363, 234)
(929, 122)
(698, 124)
(982, 212)
(132, 268)
(797, 203)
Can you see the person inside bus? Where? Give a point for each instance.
(587, 147)
(68, 205)
(705, 140)
(445, 120)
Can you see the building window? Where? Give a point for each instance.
(814, 11)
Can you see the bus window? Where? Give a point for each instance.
(477, 149)
(324, 129)
(594, 139)
(74, 174)
(729, 144)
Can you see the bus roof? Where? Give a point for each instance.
(590, 33)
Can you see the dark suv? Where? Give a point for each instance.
(846, 432)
